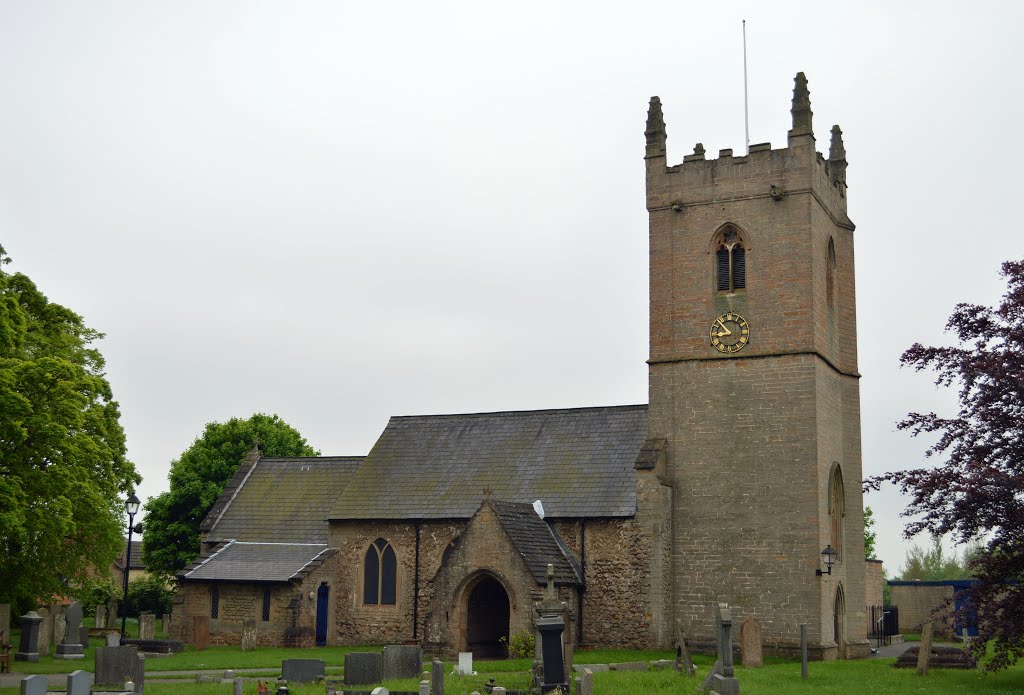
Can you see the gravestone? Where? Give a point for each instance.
(147, 625)
(140, 673)
(78, 683)
(380, 691)
(465, 667)
(551, 625)
(115, 665)
(248, 642)
(29, 650)
(586, 683)
(436, 678)
(401, 661)
(5, 618)
(925, 650)
(803, 650)
(112, 613)
(60, 624)
(498, 690)
(236, 687)
(165, 623)
(113, 639)
(309, 670)
(683, 660)
(34, 685)
(45, 630)
(100, 621)
(71, 647)
(724, 683)
(424, 687)
(750, 643)
(363, 667)
(201, 631)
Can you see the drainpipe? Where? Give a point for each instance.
(416, 586)
(583, 585)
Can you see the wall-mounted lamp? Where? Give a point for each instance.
(828, 555)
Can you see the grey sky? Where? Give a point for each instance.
(339, 212)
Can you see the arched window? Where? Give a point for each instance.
(214, 602)
(830, 274)
(448, 550)
(730, 261)
(836, 511)
(380, 574)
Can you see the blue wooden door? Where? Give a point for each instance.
(322, 595)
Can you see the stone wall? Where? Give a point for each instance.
(920, 603)
(874, 582)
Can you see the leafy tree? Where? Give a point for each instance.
(934, 564)
(978, 491)
(95, 591)
(63, 465)
(150, 593)
(198, 477)
(869, 535)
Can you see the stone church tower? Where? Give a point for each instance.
(754, 385)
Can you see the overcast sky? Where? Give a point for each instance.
(340, 211)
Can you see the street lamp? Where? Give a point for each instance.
(828, 555)
(131, 505)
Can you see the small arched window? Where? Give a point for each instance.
(214, 602)
(448, 550)
(730, 262)
(380, 574)
(836, 511)
(830, 274)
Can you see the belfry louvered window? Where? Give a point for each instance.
(380, 574)
(730, 262)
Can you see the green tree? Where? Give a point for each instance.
(63, 465)
(869, 534)
(198, 477)
(150, 593)
(933, 563)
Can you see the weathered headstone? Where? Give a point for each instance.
(29, 650)
(465, 667)
(165, 623)
(683, 660)
(70, 647)
(498, 690)
(201, 631)
(751, 652)
(381, 690)
(113, 639)
(424, 687)
(236, 687)
(140, 673)
(112, 614)
(309, 670)
(83, 636)
(115, 665)
(926, 649)
(362, 668)
(100, 622)
(401, 661)
(59, 624)
(78, 683)
(34, 685)
(803, 650)
(436, 678)
(5, 618)
(586, 683)
(248, 642)
(147, 625)
(724, 683)
(45, 630)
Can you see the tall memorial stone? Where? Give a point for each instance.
(59, 623)
(751, 650)
(147, 626)
(112, 614)
(725, 682)
(70, 647)
(551, 626)
(201, 631)
(45, 630)
(29, 649)
(101, 617)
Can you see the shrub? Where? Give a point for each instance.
(520, 646)
(95, 591)
(151, 594)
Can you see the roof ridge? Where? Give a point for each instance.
(274, 459)
(579, 409)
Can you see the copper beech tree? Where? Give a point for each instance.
(977, 492)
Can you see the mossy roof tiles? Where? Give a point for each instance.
(284, 500)
(579, 462)
(537, 542)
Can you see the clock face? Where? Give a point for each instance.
(729, 333)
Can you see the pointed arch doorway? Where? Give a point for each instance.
(487, 618)
(839, 623)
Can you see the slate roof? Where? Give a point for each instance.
(537, 542)
(579, 462)
(137, 563)
(259, 562)
(281, 500)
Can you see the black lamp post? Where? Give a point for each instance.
(131, 505)
(829, 556)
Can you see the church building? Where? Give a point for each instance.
(728, 487)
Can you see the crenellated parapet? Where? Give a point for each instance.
(778, 174)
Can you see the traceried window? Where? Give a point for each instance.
(380, 574)
(730, 262)
(836, 511)
(830, 274)
(214, 602)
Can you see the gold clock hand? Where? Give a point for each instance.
(725, 330)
